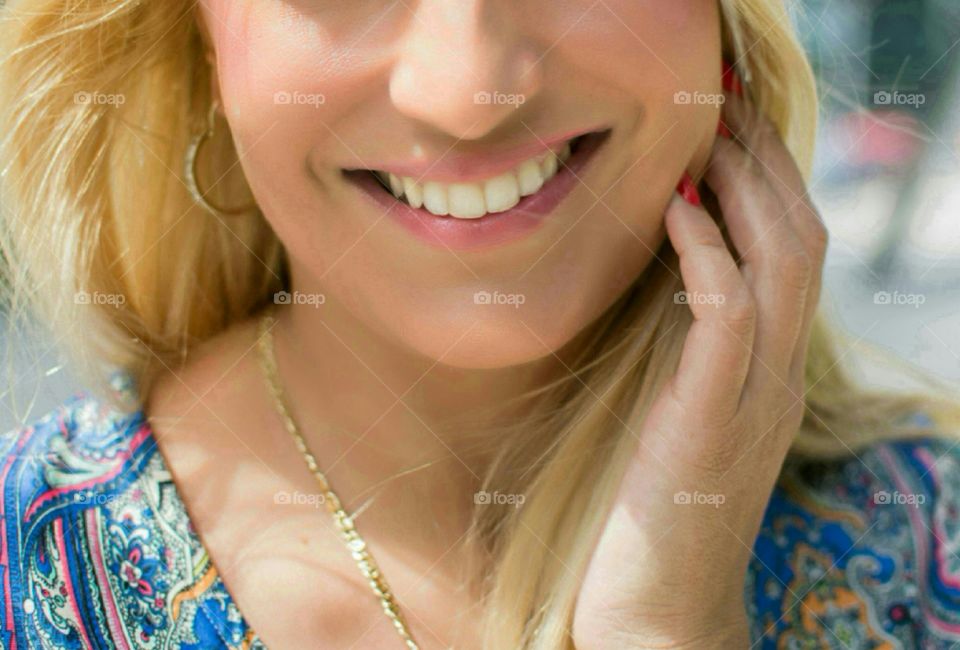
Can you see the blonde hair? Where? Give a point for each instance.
(92, 204)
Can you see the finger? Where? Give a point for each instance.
(774, 262)
(757, 134)
(760, 137)
(721, 336)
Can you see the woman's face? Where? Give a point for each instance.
(471, 101)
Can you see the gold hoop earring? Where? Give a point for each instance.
(190, 170)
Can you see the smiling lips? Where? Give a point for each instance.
(479, 203)
(477, 199)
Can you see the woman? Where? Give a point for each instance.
(407, 320)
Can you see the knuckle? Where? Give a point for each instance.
(740, 313)
(708, 239)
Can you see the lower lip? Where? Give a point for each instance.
(492, 229)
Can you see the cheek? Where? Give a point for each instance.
(273, 49)
(645, 53)
(642, 44)
(290, 80)
(662, 60)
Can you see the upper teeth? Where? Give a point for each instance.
(474, 200)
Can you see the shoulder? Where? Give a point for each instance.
(52, 471)
(83, 448)
(97, 549)
(862, 552)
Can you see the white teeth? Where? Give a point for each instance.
(413, 191)
(474, 200)
(396, 186)
(435, 198)
(530, 178)
(503, 192)
(549, 166)
(466, 200)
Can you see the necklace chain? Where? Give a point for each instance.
(355, 543)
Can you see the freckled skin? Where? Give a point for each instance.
(397, 79)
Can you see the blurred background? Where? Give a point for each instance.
(887, 175)
(887, 180)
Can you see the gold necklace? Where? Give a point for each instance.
(358, 548)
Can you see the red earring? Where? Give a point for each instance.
(731, 80)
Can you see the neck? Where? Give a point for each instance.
(362, 384)
(392, 429)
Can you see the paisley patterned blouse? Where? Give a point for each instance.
(98, 550)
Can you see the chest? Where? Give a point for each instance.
(290, 574)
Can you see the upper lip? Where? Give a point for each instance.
(464, 167)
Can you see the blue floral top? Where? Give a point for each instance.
(98, 550)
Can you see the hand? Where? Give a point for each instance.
(670, 574)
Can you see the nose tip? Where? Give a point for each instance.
(466, 92)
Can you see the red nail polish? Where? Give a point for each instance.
(731, 80)
(724, 131)
(688, 190)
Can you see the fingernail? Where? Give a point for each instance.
(731, 80)
(688, 190)
(724, 131)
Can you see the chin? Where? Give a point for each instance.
(490, 343)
